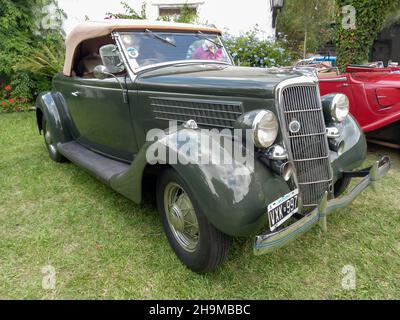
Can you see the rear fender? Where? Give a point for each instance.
(52, 107)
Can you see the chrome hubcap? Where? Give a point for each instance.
(181, 217)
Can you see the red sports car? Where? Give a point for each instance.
(374, 95)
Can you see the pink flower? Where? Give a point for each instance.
(11, 101)
(4, 104)
(8, 88)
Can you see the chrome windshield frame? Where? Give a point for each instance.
(133, 72)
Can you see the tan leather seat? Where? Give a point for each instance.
(87, 65)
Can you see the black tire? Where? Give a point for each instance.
(341, 186)
(212, 245)
(54, 154)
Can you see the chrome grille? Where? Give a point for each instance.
(206, 113)
(309, 146)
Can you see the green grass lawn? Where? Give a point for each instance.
(104, 246)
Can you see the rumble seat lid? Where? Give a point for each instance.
(93, 29)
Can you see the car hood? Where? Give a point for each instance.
(215, 79)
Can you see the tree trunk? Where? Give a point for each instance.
(305, 42)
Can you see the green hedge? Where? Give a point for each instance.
(24, 39)
(250, 50)
(354, 45)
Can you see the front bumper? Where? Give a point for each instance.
(271, 241)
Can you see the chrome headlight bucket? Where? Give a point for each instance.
(337, 106)
(265, 129)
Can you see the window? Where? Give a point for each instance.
(149, 48)
(174, 11)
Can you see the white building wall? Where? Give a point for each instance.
(231, 16)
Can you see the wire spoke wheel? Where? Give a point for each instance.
(196, 242)
(181, 217)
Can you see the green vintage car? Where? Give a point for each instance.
(123, 79)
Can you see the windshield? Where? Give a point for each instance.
(150, 47)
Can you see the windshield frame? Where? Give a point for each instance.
(136, 70)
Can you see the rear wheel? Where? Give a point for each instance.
(51, 144)
(197, 243)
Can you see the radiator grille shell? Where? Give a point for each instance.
(308, 148)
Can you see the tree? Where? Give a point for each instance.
(130, 13)
(25, 29)
(188, 15)
(307, 23)
(356, 38)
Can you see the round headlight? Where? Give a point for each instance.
(265, 129)
(340, 107)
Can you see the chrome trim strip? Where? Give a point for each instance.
(308, 135)
(310, 159)
(178, 62)
(271, 241)
(333, 80)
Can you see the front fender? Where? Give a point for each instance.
(355, 150)
(50, 104)
(232, 195)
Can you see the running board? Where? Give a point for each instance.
(101, 167)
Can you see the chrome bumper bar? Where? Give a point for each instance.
(271, 241)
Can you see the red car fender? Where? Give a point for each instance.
(374, 96)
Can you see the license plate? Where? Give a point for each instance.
(282, 209)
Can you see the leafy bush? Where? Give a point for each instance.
(307, 24)
(187, 14)
(353, 45)
(24, 36)
(44, 62)
(130, 13)
(10, 102)
(249, 50)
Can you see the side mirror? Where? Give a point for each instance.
(100, 72)
(111, 58)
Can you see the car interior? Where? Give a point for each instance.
(87, 56)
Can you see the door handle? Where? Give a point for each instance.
(76, 93)
(345, 85)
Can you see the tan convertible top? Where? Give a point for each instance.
(94, 29)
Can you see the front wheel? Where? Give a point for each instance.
(197, 243)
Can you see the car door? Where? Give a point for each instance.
(101, 117)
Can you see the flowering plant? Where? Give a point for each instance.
(8, 103)
(250, 50)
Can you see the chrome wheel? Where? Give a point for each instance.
(181, 217)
